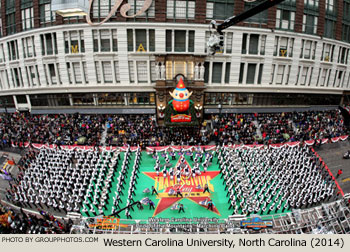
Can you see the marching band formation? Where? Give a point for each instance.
(267, 180)
(258, 180)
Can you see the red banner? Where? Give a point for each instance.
(181, 118)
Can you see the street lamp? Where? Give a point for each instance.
(70, 8)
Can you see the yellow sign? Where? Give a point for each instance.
(345, 180)
(107, 223)
(326, 58)
(283, 52)
(74, 49)
(141, 48)
(162, 183)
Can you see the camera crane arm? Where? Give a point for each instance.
(215, 42)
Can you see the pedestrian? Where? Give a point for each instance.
(210, 205)
(206, 188)
(181, 208)
(178, 192)
(151, 204)
(340, 172)
(154, 190)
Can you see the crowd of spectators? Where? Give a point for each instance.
(143, 130)
(18, 222)
(234, 128)
(318, 125)
(68, 129)
(275, 128)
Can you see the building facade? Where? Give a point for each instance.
(294, 54)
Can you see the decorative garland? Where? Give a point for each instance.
(186, 148)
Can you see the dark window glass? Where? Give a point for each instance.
(180, 41)
(168, 41)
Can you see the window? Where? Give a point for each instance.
(52, 74)
(153, 71)
(327, 52)
(47, 16)
(107, 71)
(331, 7)
(10, 17)
(329, 28)
(131, 72)
(17, 77)
(2, 53)
(98, 71)
(33, 76)
(346, 32)
(322, 75)
(251, 73)
(343, 55)
(179, 39)
(174, 68)
(280, 74)
(70, 72)
(253, 43)
(241, 73)
(77, 72)
(141, 98)
(74, 42)
(285, 19)
(219, 9)
(28, 47)
(260, 18)
(48, 44)
(311, 4)
(283, 46)
(101, 8)
(308, 49)
(346, 10)
(21, 99)
(141, 40)
(27, 13)
(116, 71)
(105, 40)
(181, 9)
(13, 50)
(217, 72)
(85, 72)
(137, 5)
(338, 78)
(310, 24)
(227, 72)
(4, 79)
(83, 99)
(229, 40)
(142, 73)
(304, 75)
(111, 99)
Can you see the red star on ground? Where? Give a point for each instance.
(187, 187)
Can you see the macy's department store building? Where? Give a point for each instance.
(295, 54)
